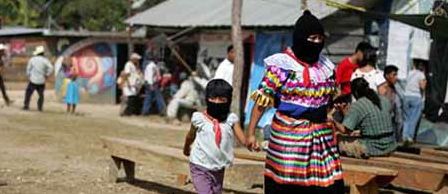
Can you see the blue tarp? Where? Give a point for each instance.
(266, 44)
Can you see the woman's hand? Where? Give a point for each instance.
(252, 144)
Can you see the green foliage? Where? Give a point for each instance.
(18, 12)
(92, 15)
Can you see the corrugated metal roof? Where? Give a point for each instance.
(217, 13)
(13, 31)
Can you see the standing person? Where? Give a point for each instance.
(152, 85)
(413, 100)
(348, 65)
(367, 70)
(2, 70)
(391, 76)
(72, 92)
(225, 68)
(212, 134)
(186, 96)
(370, 114)
(302, 155)
(132, 85)
(38, 70)
(121, 82)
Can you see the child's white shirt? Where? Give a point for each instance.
(204, 150)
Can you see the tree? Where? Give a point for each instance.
(237, 42)
(107, 15)
(94, 15)
(19, 12)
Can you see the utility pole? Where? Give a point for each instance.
(237, 41)
(129, 30)
(304, 5)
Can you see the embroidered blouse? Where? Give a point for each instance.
(283, 87)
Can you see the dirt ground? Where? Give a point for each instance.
(52, 152)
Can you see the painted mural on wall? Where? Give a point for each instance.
(96, 68)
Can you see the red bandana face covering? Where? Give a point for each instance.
(306, 71)
(216, 128)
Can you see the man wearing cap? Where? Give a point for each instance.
(2, 69)
(132, 85)
(38, 70)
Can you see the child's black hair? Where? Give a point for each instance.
(218, 88)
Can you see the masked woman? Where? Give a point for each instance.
(302, 154)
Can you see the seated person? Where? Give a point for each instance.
(187, 97)
(370, 114)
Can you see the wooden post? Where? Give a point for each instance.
(237, 41)
(114, 167)
(129, 169)
(304, 5)
(129, 30)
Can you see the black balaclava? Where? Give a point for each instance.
(218, 88)
(219, 111)
(305, 26)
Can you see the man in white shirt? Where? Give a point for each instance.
(225, 68)
(132, 85)
(367, 70)
(413, 99)
(187, 96)
(38, 70)
(153, 78)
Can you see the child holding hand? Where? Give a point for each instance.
(210, 141)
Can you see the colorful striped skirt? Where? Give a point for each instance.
(302, 153)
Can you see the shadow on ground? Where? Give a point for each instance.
(165, 189)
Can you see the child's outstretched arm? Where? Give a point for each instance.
(238, 131)
(189, 139)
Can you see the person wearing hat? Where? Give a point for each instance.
(2, 69)
(302, 155)
(132, 85)
(38, 70)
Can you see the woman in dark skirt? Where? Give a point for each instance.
(302, 155)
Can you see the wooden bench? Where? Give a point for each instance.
(243, 175)
(362, 179)
(423, 152)
(421, 157)
(434, 153)
(412, 174)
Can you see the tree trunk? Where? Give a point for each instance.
(237, 41)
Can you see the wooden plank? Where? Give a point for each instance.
(412, 174)
(421, 165)
(360, 175)
(243, 174)
(439, 154)
(371, 188)
(421, 157)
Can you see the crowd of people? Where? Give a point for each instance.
(142, 88)
(322, 112)
(368, 109)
